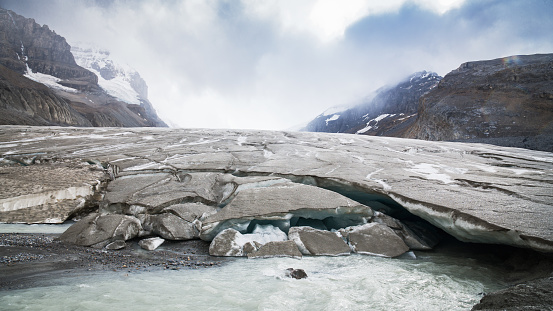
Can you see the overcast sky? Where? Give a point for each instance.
(276, 64)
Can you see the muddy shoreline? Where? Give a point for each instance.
(29, 259)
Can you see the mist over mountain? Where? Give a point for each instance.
(388, 110)
(42, 84)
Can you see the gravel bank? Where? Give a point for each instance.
(28, 259)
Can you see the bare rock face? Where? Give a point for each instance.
(318, 242)
(97, 230)
(375, 239)
(277, 249)
(506, 101)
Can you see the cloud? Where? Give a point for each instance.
(276, 63)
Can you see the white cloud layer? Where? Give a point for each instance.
(274, 64)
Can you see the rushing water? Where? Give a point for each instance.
(431, 282)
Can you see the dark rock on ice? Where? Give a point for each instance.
(296, 273)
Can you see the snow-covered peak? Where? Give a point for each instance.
(118, 80)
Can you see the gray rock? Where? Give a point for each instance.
(151, 243)
(191, 211)
(224, 244)
(376, 239)
(251, 247)
(411, 239)
(277, 249)
(100, 230)
(318, 242)
(172, 227)
(296, 273)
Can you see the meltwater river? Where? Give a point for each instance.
(431, 282)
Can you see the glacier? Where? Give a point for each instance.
(474, 192)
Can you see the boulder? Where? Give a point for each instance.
(151, 243)
(296, 273)
(375, 239)
(225, 244)
(312, 241)
(172, 227)
(100, 230)
(277, 249)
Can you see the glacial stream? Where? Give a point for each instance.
(433, 281)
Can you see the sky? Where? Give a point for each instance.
(277, 64)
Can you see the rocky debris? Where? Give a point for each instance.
(151, 243)
(296, 273)
(277, 249)
(375, 239)
(97, 230)
(505, 101)
(311, 241)
(48, 191)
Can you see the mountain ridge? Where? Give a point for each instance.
(41, 83)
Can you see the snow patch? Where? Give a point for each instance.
(48, 80)
(374, 122)
(430, 171)
(333, 118)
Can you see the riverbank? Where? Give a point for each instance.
(28, 259)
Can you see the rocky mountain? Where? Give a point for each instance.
(505, 101)
(386, 113)
(41, 84)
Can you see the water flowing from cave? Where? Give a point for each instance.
(430, 282)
